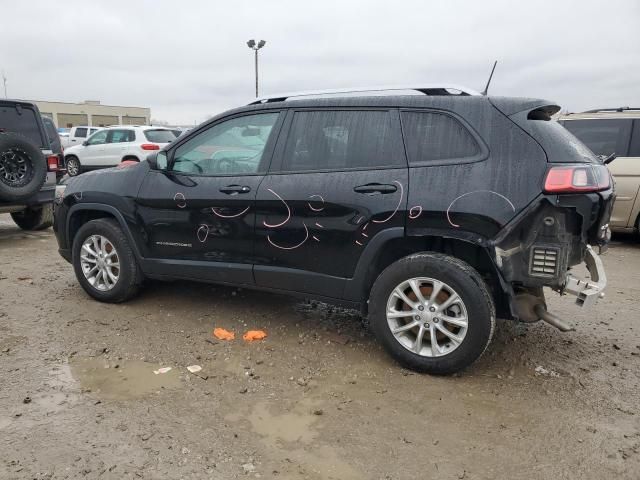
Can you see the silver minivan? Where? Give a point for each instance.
(605, 132)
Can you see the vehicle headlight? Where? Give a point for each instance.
(59, 195)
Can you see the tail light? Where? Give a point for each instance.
(52, 163)
(577, 178)
(150, 146)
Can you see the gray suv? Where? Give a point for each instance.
(27, 166)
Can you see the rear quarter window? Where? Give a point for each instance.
(435, 137)
(159, 136)
(22, 121)
(603, 136)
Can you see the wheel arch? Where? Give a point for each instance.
(133, 158)
(389, 246)
(82, 213)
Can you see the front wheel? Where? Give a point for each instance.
(73, 166)
(432, 313)
(104, 262)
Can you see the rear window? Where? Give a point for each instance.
(338, 140)
(431, 137)
(22, 120)
(603, 136)
(159, 136)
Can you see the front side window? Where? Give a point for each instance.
(603, 136)
(432, 137)
(233, 147)
(81, 132)
(98, 138)
(339, 140)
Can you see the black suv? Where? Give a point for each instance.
(432, 213)
(28, 167)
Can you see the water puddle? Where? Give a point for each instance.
(122, 380)
(307, 456)
(287, 427)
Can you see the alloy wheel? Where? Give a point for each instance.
(72, 167)
(100, 262)
(427, 317)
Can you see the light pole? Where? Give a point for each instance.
(255, 47)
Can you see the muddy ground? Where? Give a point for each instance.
(318, 399)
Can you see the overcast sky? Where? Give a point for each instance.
(188, 60)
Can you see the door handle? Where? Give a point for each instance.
(373, 188)
(235, 189)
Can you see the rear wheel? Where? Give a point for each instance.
(433, 313)
(104, 262)
(34, 218)
(73, 166)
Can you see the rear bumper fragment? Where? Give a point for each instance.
(588, 292)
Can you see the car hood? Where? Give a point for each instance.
(74, 149)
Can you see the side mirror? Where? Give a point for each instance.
(158, 161)
(85, 143)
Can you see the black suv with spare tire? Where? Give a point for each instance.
(433, 211)
(28, 167)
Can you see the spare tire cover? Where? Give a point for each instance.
(23, 168)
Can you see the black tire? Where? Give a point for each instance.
(23, 168)
(470, 287)
(129, 276)
(73, 166)
(34, 218)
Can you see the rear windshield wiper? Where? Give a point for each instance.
(608, 159)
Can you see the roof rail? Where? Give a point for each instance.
(617, 109)
(433, 90)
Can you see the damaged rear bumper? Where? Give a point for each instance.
(588, 292)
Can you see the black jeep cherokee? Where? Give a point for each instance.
(433, 214)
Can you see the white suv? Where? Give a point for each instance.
(113, 145)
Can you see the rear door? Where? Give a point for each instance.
(339, 177)
(118, 141)
(199, 214)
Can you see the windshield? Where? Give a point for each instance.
(159, 136)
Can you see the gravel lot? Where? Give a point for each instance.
(318, 399)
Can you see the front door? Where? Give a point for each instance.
(93, 153)
(339, 177)
(199, 213)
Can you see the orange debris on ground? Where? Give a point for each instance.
(252, 335)
(222, 334)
